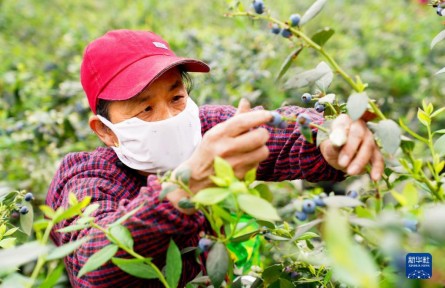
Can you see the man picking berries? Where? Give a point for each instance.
(137, 89)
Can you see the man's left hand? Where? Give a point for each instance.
(359, 149)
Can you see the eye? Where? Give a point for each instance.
(148, 109)
(177, 98)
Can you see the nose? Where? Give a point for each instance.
(166, 112)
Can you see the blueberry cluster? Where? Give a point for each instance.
(23, 209)
(439, 5)
(277, 121)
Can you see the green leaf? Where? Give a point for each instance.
(11, 231)
(223, 169)
(66, 249)
(301, 229)
(407, 144)
(250, 176)
(357, 105)
(266, 224)
(72, 199)
(411, 194)
(90, 209)
(183, 174)
(324, 82)
(222, 182)
(423, 117)
(245, 237)
(40, 224)
(7, 243)
(16, 256)
(437, 112)
(217, 264)
(98, 259)
(257, 207)
(167, 189)
(441, 71)
(26, 221)
(62, 214)
(173, 268)
(53, 277)
(323, 35)
(312, 11)
(72, 228)
(126, 216)
(306, 78)
(272, 273)
(307, 133)
(341, 201)
(439, 146)
(185, 203)
(351, 263)
(211, 196)
(307, 236)
(287, 62)
(389, 134)
(136, 267)
(264, 191)
(439, 37)
(48, 211)
(122, 234)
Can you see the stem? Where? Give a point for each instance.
(42, 259)
(377, 110)
(319, 127)
(132, 253)
(210, 219)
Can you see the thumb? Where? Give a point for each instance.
(243, 106)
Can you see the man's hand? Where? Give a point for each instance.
(237, 140)
(359, 149)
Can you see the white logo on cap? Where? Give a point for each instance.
(160, 45)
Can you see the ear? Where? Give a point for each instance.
(103, 132)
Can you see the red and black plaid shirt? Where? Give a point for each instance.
(118, 189)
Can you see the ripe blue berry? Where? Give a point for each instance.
(29, 196)
(23, 210)
(439, 11)
(276, 29)
(205, 244)
(258, 5)
(301, 215)
(352, 194)
(295, 19)
(410, 224)
(294, 275)
(306, 98)
(318, 201)
(286, 33)
(303, 120)
(319, 107)
(308, 206)
(282, 125)
(277, 121)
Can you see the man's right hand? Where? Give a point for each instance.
(236, 140)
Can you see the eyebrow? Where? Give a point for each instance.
(142, 99)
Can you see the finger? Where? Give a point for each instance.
(341, 122)
(363, 155)
(243, 106)
(250, 141)
(377, 164)
(244, 162)
(241, 123)
(354, 139)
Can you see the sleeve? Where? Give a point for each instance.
(291, 156)
(152, 227)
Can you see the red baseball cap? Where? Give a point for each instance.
(121, 63)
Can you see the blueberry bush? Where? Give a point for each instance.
(351, 234)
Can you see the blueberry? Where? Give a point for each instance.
(29, 196)
(319, 107)
(308, 206)
(23, 210)
(258, 5)
(15, 215)
(439, 11)
(283, 125)
(277, 121)
(205, 244)
(318, 201)
(352, 194)
(306, 98)
(410, 224)
(276, 29)
(294, 275)
(295, 19)
(301, 215)
(286, 33)
(288, 269)
(303, 119)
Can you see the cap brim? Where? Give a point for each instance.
(134, 78)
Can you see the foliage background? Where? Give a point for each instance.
(44, 113)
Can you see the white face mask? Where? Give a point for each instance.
(157, 146)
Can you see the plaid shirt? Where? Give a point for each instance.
(119, 189)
